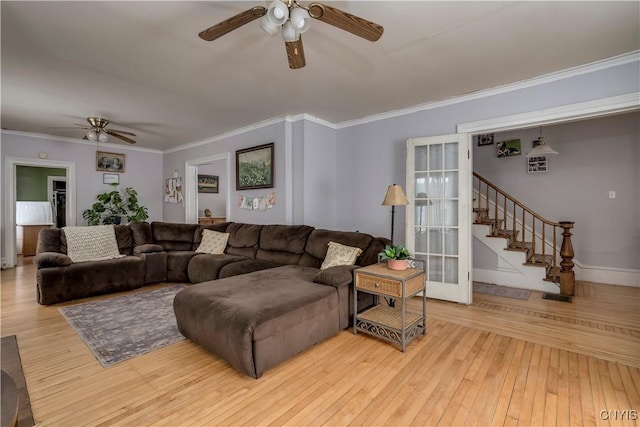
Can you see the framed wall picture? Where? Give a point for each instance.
(508, 148)
(109, 162)
(537, 164)
(485, 139)
(110, 178)
(208, 184)
(254, 167)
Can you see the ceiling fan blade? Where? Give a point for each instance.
(295, 54)
(346, 21)
(122, 132)
(232, 23)
(122, 137)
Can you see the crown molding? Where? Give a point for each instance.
(78, 141)
(592, 67)
(252, 127)
(563, 113)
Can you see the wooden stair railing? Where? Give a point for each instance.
(524, 224)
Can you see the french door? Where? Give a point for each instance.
(438, 216)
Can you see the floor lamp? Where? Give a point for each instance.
(395, 197)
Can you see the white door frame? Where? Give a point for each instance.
(463, 293)
(565, 113)
(11, 163)
(190, 185)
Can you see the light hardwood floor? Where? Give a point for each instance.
(497, 362)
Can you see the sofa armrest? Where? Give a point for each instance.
(338, 276)
(148, 248)
(51, 259)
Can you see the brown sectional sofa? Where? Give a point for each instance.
(262, 301)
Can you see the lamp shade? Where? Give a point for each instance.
(92, 135)
(395, 196)
(289, 33)
(542, 150)
(278, 12)
(300, 19)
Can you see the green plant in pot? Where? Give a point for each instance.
(396, 256)
(112, 205)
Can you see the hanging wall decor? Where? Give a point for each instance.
(173, 190)
(485, 139)
(508, 148)
(257, 203)
(254, 167)
(537, 164)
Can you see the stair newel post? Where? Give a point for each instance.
(567, 275)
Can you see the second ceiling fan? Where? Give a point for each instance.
(292, 19)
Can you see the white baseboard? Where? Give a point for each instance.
(608, 275)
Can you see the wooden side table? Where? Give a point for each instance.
(393, 324)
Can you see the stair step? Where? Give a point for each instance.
(507, 234)
(539, 259)
(553, 275)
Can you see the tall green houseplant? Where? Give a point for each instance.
(112, 205)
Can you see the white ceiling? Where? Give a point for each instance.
(142, 65)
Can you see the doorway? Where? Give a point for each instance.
(11, 165)
(192, 169)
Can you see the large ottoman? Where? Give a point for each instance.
(256, 320)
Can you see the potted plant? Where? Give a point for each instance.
(396, 256)
(112, 205)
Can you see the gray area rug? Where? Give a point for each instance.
(124, 327)
(12, 365)
(502, 291)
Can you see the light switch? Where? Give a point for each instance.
(612, 194)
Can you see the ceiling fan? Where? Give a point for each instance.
(98, 131)
(292, 19)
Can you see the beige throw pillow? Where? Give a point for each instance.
(213, 242)
(338, 254)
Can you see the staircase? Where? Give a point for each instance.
(535, 258)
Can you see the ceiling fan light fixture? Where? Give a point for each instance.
(289, 33)
(92, 135)
(300, 19)
(268, 26)
(103, 137)
(278, 12)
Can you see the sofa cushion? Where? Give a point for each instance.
(49, 240)
(338, 254)
(213, 242)
(178, 265)
(317, 244)
(91, 243)
(335, 276)
(147, 249)
(205, 267)
(125, 239)
(141, 233)
(51, 259)
(285, 238)
(174, 237)
(245, 266)
(243, 239)
(197, 237)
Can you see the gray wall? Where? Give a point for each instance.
(276, 133)
(338, 176)
(595, 156)
(145, 177)
(370, 156)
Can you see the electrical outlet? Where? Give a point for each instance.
(612, 194)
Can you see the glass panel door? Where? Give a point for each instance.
(438, 229)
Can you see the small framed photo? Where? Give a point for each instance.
(508, 148)
(537, 164)
(254, 167)
(208, 184)
(485, 139)
(109, 162)
(110, 178)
